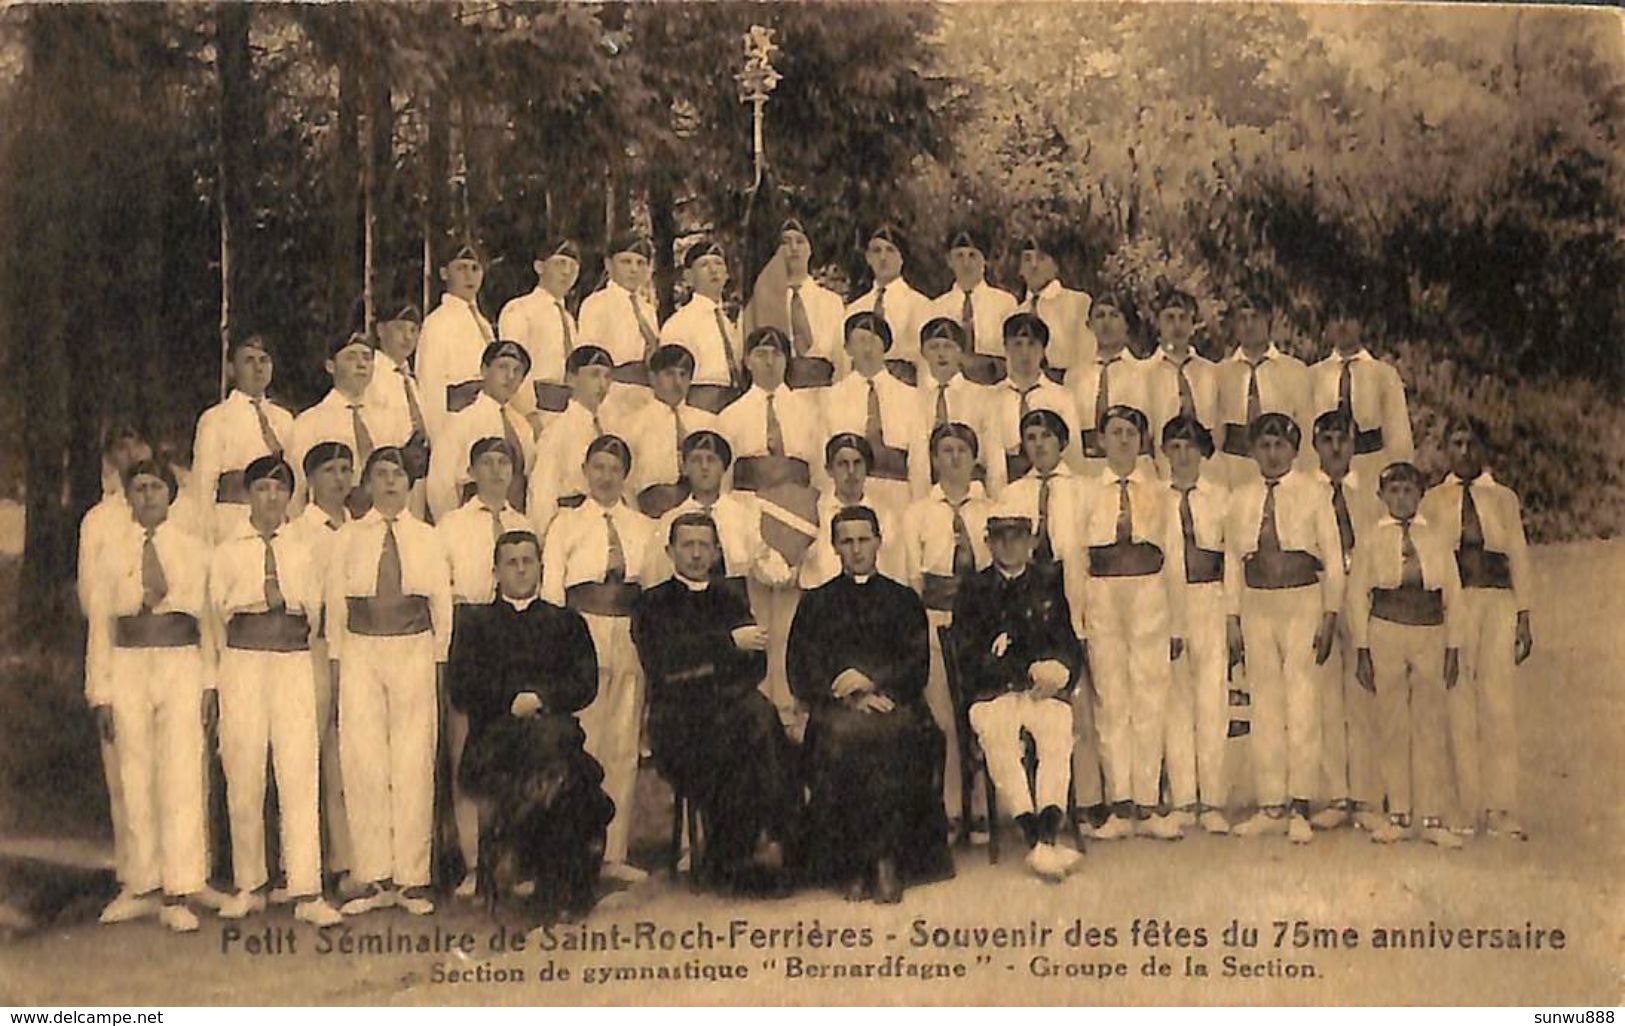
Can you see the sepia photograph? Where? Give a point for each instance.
(720, 503)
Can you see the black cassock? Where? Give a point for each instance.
(875, 778)
(544, 792)
(714, 736)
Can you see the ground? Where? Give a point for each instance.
(1567, 877)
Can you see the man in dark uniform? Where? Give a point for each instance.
(714, 734)
(1021, 660)
(520, 669)
(859, 658)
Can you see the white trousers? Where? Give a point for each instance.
(774, 609)
(268, 702)
(1197, 719)
(158, 720)
(998, 723)
(336, 853)
(1278, 627)
(1483, 709)
(1128, 652)
(115, 811)
(1408, 664)
(614, 721)
(1347, 711)
(388, 728)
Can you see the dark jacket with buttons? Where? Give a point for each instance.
(1032, 611)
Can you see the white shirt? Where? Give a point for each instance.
(1283, 387)
(389, 386)
(651, 432)
(991, 306)
(1376, 393)
(1153, 520)
(353, 573)
(928, 533)
(577, 548)
(448, 459)
(906, 309)
(229, 439)
(1045, 395)
(559, 455)
(469, 538)
(694, 327)
(536, 321)
(607, 321)
(114, 590)
(821, 563)
(738, 517)
(846, 408)
(1065, 312)
(1304, 522)
(1210, 508)
(1499, 514)
(1125, 383)
(826, 315)
(331, 420)
(743, 423)
(237, 575)
(454, 338)
(1160, 379)
(975, 406)
(1379, 563)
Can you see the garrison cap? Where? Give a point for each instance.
(866, 321)
(850, 440)
(964, 238)
(793, 224)
(890, 233)
(945, 328)
(1251, 299)
(702, 248)
(955, 429)
(325, 452)
(269, 467)
(588, 355)
(385, 454)
(711, 442)
(463, 249)
(1470, 424)
(633, 243)
(1123, 411)
(1028, 326)
(496, 350)
(1188, 429)
(339, 343)
(491, 444)
(1050, 421)
(1169, 294)
(767, 335)
(1275, 425)
(613, 445)
(1334, 421)
(1401, 470)
(253, 340)
(669, 355)
(560, 247)
(151, 468)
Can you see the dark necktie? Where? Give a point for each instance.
(1103, 391)
(651, 338)
(1026, 405)
(1125, 514)
(615, 557)
(413, 410)
(565, 330)
(964, 553)
(727, 348)
(363, 437)
(1345, 387)
(1187, 398)
(677, 428)
(801, 332)
(484, 325)
(1187, 519)
(273, 586)
(942, 406)
(496, 523)
(1345, 523)
(1045, 550)
(1255, 406)
(967, 320)
(1410, 563)
(1269, 538)
(1472, 528)
(389, 564)
(272, 444)
(154, 586)
(775, 433)
(873, 428)
(880, 301)
(516, 484)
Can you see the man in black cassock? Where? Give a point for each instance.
(520, 669)
(714, 735)
(858, 658)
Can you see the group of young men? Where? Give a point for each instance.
(816, 571)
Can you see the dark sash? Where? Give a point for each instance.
(280, 631)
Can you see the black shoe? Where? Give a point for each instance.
(1049, 824)
(1031, 831)
(888, 886)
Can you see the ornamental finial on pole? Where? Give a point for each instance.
(756, 81)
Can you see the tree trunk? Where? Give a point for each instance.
(236, 128)
(344, 259)
(663, 226)
(436, 201)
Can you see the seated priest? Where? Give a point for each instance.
(858, 658)
(715, 736)
(1020, 658)
(520, 670)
